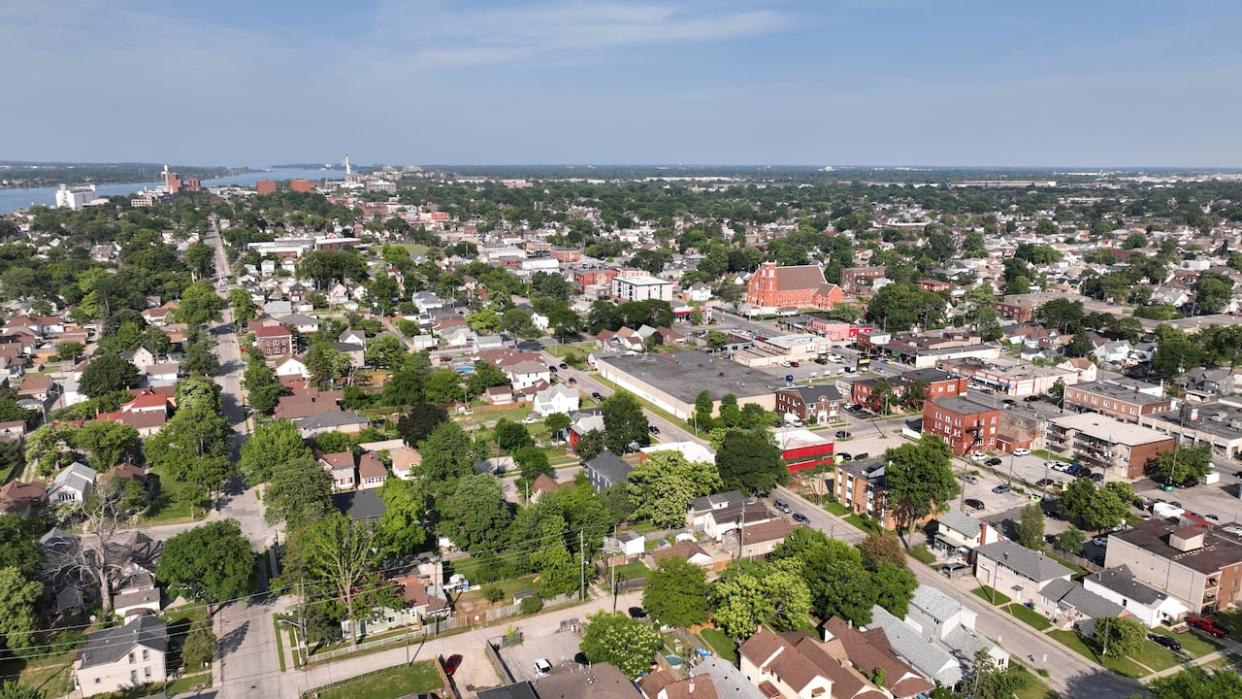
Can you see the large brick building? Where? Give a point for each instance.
(967, 426)
(797, 286)
(1107, 443)
(1123, 399)
(274, 340)
(935, 383)
(856, 279)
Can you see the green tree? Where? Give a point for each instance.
(748, 461)
(326, 363)
(419, 421)
(1118, 637)
(18, 617)
(70, 351)
(878, 548)
(263, 389)
(676, 593)
(447, 455)
(1197, 683)
(1181, 466)
(405, 511)
(270, 445)
(200, 357)
(532, 462)
(485, 376)
(108, 373)
(443, 386)
(19, 546)
(920, 479)
(703, 409)
(556, 424)
(773, 594)
(839, 583)
(511, 435)
(590, 445)
(298, 492)
(13, 690)
(663, 485)
(1031, 527)
(199, 647)
(211, 563)
(1090, 507)
(199, 304)
(629, 644)
(989, 681)
(1071, 540)
(385, 351)
(108, 443)
(894, 588)
(624, 423)
(1080, 345)
(201, 259)
(475, 515)
(242, 305)
(901, 306)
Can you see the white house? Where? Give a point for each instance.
(163, 374)
(123, 657)
(1114, 352)
(555, 399)
(527, 373)
(292, 366)
(1147, 604)
(404, 461)
(74, 483)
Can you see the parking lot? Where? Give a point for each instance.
(556, 648)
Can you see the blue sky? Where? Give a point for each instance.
(887, 82)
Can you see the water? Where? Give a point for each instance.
(16, 199)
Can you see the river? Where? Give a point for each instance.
(16, 199)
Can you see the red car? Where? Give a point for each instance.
(1207, 625)
(451, 665)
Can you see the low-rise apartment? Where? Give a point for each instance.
(1119, 448)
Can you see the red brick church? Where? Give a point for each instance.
(797, 286)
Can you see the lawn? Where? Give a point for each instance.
(995, 597)
(720, 644)
(1155, 656)
(864, 523)
(1079, 571)
(922, 554)
(837, 508)
(1075, 642)
(168, 506)
(634, 570)
(188, 683)
(391, 683)
(1047, 455)
(1193, 644)
(280, 646)
(1028, 615)
(1031, 687)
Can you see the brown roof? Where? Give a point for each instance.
(700, 687)
(870, 649)
(682, 549)
(544, 483)
(789, 664)
(831, 660)
(303, 405)
(405, 458)
(338, 460)
(371, 467)
(272, 331)
(15, 492)
(35, 383)
(799, 277)
(776, 529)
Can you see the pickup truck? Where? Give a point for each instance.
(1207, 625)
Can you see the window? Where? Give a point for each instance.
(146, 672)
(131, 658)
(145, 654)
(133, 676)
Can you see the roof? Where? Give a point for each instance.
(371, 467)
(929, 659)
(338, 460)
(870, 649)
(518, 690)
(610, 466)
(360, 505)
(1109, 429)
(111, 645)
(1219, 548)
(792, 666)
(683, 375)
(703, 503)
(960, 521)
(963, 406)
(336, 418)
(1122, 581)
(796, 277)
(729, 681)
(1073, 595)
(598, 681)
(1031, 564)
(272, 331)
(813, 394)
(762, 532)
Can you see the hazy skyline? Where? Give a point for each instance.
(883, 82)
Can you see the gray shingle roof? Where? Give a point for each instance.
(1032, 564)
(1121, 581)
(610, 466)
(110, 645)
(960, 521)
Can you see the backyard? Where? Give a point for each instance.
(390, 683)
(719, 643)
(1148, 658)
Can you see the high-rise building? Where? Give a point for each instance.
(265, 187)
(74, 197)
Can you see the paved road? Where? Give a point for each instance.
(474, 671)
(1068, 671)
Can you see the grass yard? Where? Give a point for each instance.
(922, 554)
(582, 349)
(1155, 656)
(391, 683)
(1028, 615)
(864, 523)
(634, 570)
(720, 644)
(1031, 686)
(1049, 456)
(837, 508)
(188, 683)
(1193, 644)
(280, 646)
(995, 597)
(1079, 571)
(168, 506)
(1075, 642)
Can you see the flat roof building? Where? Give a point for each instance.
(1126, 399)
(1200, 566)
(1120, 448)
(673, 380)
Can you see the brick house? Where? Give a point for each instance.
(967, 426)
(804, 402)
(274, 340)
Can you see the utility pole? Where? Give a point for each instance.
(581, 567)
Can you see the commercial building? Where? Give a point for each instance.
(782, 348)
(633, 285)
(796, 286)
(1217, 424)
(74, 197)
(934, 383)
(925, 350)
(1022, 307)
(967, 425)
(593, 276)
(1009, 376)
(856, 279)
(673, 380)
(821, 404)
(304, 186)
(802, 449)
(1200, 566)
(1124, 399)
(1120, 448)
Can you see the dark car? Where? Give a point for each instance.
(994, 461)
(860, 457)
(638, 613)
(596, 395)
(801, 518)
(563, 365)
(782, 506)
(1097, 477)
(451, 665)
(843, 434)
(794, 364)
(552, 368)
(1167, 641)
(1030, 399)
(653, 429)
(973, 503)
(1045, 482)
(1073, 469)
(1084, 473)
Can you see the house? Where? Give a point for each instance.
(74, 483)
(728, 681)
(345, 421)
(360, 505)
(685, 550)
(664, 684)
(164, 373)
(606, 469)
(355, 352)
(1114, 352)
(527, 373)
(274, 340)
(1067, 602)
(772, 664)
(291, 366)
(1016, 571)
(569, 680)
(819, 404)
(39, 387)
(404, 461)
(719, 524)
(558, 398)
(340, 465)
(584, 422)
(302, 324)
(138, 596)
(760, 538)
(957, 534)
(143, 358)
(352, 337)
(20, 498)
(499, 395)
(696, 514)
(423, 599)
(1145, 603)
(12, 430)
(870, 653)
(371, 472)
(123, 657)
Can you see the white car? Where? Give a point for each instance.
(543, 667)
(836, 358)
(1058, 466)
(1021, 452)
(978, 457)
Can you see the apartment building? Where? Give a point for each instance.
(1099, 441)
(935, 384)
(967, 425)
(1123, 399)
(856, 279)
(1200, 566)
(633, 285)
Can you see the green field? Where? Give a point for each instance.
(391, 683)
(1030, 616)
(837, 508)
(1193, 644)
(1149, 652)
(922, 554)
(720, 644)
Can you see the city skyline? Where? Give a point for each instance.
(675, 81)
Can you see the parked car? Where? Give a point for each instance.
(1045, 482)
(835, 358)
(973, 503)
(638, 613)
(1097, 477)
(563, 365)
(968, 478)
(1073, 469)
(1082, 472)
(451, 665)
(1207, 625)
(860, 457)
(552, 368)
(1167, 641)
(782, 506)
(844, 456)
(843, 434)
(1001, 489)
(994, 461)
(801, 518)
(1100, 541)
(653, 429)
(597, 395)
(794, 364)
(949, 570)
(1021, 451)
(1058, 466)
(1030, 399)
(543, 667)
(978, 457)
